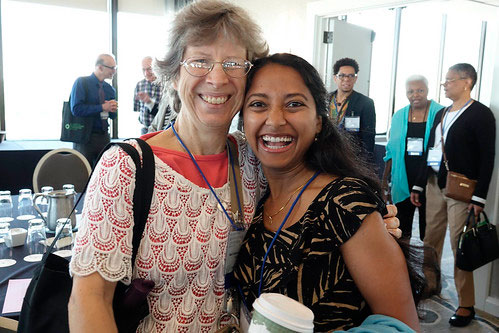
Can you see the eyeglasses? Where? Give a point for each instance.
(233, 67)
(148, 69)
(447, 81)
(345, 76)
(419, 91)
(110, 67)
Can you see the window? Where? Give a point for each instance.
(382, 21)
(45, 48)
(139, 35)
(419, 47)
(462, 44)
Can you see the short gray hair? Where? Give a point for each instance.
(201, 23)
(416, 78)
(465, 71)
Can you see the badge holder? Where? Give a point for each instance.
(352, 124)
(415, 146)
(434, 157)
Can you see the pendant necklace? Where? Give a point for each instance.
(270, 216)
(425, 112)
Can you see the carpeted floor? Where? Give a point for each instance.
(435, 312)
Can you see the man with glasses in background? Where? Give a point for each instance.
(147, 95)
(92, 97)
(351, 110)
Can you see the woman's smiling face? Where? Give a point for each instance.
(280, 117)
(214, 99)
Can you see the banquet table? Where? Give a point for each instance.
(21, 269)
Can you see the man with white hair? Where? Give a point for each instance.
(147, 95)
(408, 140)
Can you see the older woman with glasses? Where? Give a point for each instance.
(184, 244)
(409, 134)
(465, 131)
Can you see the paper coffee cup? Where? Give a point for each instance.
(277, 313)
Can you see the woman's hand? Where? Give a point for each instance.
(392, 223)
(415, 199)
(477, 209)
(378, 267)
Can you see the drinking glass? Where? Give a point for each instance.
(65, 241)
(25, 205)
(43, 202)
(5, 206)
(70, 189)
(37, 239)
(5, 251)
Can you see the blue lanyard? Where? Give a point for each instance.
(280, 227)
(455, 118)
(205, 179)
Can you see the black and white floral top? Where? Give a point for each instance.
(305, 262)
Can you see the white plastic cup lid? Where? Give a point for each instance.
(285, 312)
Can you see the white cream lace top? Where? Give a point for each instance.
(183, 245)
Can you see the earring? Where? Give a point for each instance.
(315, 139)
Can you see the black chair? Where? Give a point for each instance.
(59, 167)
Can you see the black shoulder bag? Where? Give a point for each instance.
(45, 305)
(75, 129)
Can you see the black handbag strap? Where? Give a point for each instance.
(471, 216)
(142, 196)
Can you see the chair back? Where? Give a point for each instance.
(8, 325)
(59, 167)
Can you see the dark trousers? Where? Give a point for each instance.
(406, 216)
(92, 149)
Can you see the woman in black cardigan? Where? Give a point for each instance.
(468, 129)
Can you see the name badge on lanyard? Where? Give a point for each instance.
(434, 157)
(234, 242)
(352, 124)
(415, 146)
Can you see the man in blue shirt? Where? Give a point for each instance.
(92, 97)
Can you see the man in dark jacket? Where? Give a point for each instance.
(351, 110)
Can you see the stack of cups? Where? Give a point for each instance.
(277, 313)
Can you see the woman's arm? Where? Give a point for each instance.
(90, 306)
(378, 267)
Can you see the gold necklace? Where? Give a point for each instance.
(411, 112)
(280, 209)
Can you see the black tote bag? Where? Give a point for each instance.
(75, 129)
(477, 245)
(45, 305)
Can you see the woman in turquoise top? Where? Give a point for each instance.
(408, 139)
